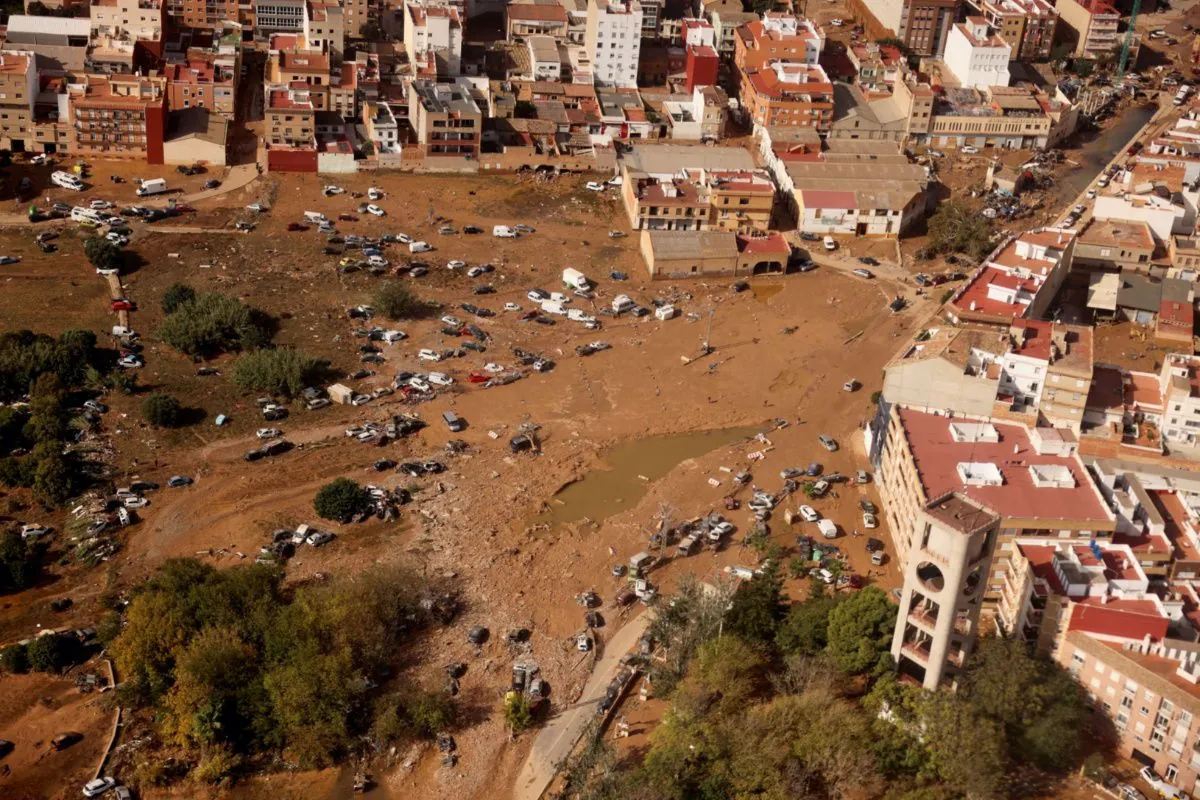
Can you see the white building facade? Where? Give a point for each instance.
(976, 56)
(614, 40)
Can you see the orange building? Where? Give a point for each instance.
(201, 83)
(788, 95)
(778, 36)
(119, 116)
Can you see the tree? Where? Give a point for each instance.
(340, 500)
(371, 31)
(518, 715)
(20, 563)
(279, 370)
(103, 254)
(758, 606)
(860, 631)
(1041, 709)
(176, 295)
(162, 410)
(14, 658)
(214, 323)
(805, 629)
(966, 749)
(395, 301)
(958, 228)
(524, 109)
(414, 713)
(47, 415)
(52, 479)
(53, 652)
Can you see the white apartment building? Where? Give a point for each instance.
(1180, 382)
(614, 40)
(781, 25)
(977, 56)
(126, 19)
(433, 35)
(279, 15)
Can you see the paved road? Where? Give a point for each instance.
(561, 733)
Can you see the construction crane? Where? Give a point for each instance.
(1124, 60)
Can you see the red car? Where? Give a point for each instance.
(347, 218)
(122, 305)
(477, 377)
(296, 226)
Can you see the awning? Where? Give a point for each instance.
(1102, 291)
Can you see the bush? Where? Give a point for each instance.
(957, 228)
(53, 653)
(415, 714)
(176, 295)
(102, 253)
(395, 301)
(518, 716)
(162, 410)
(280, 370)
(20, 564)
(15, 658)
(340, 500)
(214, 323)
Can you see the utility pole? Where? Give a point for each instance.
(705, 346)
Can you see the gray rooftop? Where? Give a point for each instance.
(693, 244)
(670, 159)
(1139, 292)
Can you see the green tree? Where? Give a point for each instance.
(47, 415)
(340, 500)
(394, 300)
(758, 606)
(518, 716)
(1041, 709)
(860, 631)
(966, 749)
(103, 254)
(177, 295)
(20, 564)
(162, 410)
(14, 658)
(279, 370)
(214, 323)
(52, 653)
(805, 629)
(957, 228)
(414, 713)
(52, 479)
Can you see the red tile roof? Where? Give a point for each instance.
(1118, 619)
(828, 198)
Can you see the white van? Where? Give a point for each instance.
(156, 186)
(419, 247)
(504, 232)
(66, 180)
(664, 313)
(622, 303)
(81, 214)
(829, 243)
(574, 279)
(828, 528)
(553, 307)
(315, 217)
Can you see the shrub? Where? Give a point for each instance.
(280, 370)
(517, 714)
(395, 301)
(53, 653)
(214, 323)
(340, 500)
(15, 658)
(103, 254)
(162, 410)
(415, 714)
(175, 296)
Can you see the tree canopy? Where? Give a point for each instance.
(340, 500)
(395, 301)
(957, 228)
(162, 410)
(278, 370)
(213, 323)
(103, 254)
(860, 631)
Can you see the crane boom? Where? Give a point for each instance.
(1125, 45)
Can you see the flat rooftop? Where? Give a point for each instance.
(938, 456)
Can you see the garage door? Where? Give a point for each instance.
(1146, 760)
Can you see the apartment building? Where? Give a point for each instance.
(127, 20)
(382, 128)
(203, 14)
(943, 587)
(725, 26)
(356, 14)
(18, 91)
(1019, 279)
(788, 95)
(324, 28)
(1120, 244)
(447, 119)
(284, 16)
(209, 83)
(433, 37)
(290, 67)
(119, 116)
(699, 200)
(1179, 382)
(1092, 26)
(614, 41)
(778, 36)
(923, 25)
(976, 55)
(290, 119)
(1030, 477)
(878, 66)
(1027, 25)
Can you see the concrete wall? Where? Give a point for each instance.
(292, 160)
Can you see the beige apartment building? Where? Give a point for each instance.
(18, 90)
(1093, 27)
(447, 120)
(1028, 26)
(699, 200)
(291, 118)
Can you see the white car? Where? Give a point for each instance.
(968, 149)
(837, 22)
(268, 433)
(829, 243)
(809, 514)
(1091, 194)
(130, 362)
(451, 321)
(333, 190)
(360, 399)
(391, 337)
(374, 194)
(989, 213)
(319, 538)
(378, 261)
(869, 520)
(475, 272)
(419, 247)
(511, 307)
(403, 238)
(98, 786)
(440, 379)
(257, 208)
(99, 205)
(134, 502)
(493, 368)
(419, 384)
(429, 355)
(116, 238)
(456, 264)
(595, 187)
(376, 211)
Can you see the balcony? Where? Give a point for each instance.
(923, 617)
(916, 650)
